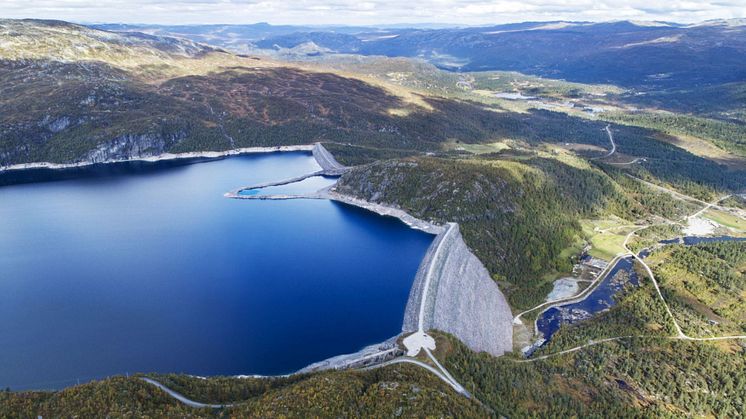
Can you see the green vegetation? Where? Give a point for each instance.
(638, 312)
(524, 210)
(735, 201)
(705, 286)
(626, 378)
(730, 136)
(606, 236)
(650, 236)
(441, 146)
(116, 397)
(401, 390)
(426, 78)
(726, 219)
(658, 203)
(629, 378)
(668, 164)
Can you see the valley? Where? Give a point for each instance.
(524, 173)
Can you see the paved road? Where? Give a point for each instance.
(181, 398)
(456, 386)
(580, 296)
(613, 144)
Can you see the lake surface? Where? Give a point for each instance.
(139, 267)
(600, 299)
(603, 296)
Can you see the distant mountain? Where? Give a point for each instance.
(621, 53)
(71, 93)
(239, 38)
(640, 55)
(58, 40)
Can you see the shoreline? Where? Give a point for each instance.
(161, 157)
(460, 282)
(330, 194)
(374, 354)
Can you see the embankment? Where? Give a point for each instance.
(462, 299)
(326, 160)
(460, 296)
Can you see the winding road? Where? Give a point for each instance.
(181, 398)
(613, 144)
(406, 360)
(680, 335)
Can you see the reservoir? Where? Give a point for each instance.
(603, 296)
(600, 299)
(146, 267)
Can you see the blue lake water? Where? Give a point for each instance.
(139, 267)
(600, 299)
(692, 240)
(603, 296)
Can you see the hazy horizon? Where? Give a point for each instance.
(370, 13)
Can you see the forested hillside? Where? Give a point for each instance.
(627, 378)
(404, 390)
(530, 168)
(520, 216)
(705, 284)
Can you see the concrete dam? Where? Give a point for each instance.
(452, 290)
(461, 297)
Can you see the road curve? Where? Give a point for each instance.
(181, 398)
(454, 385)
(613, 144)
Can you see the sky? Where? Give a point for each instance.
(369, 12)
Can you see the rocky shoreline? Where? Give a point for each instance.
(462, 299)
(476, 317)
(161, 157)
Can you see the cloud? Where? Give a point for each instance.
(369, 12)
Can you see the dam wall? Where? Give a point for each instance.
(326, 160)
(461, 298)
